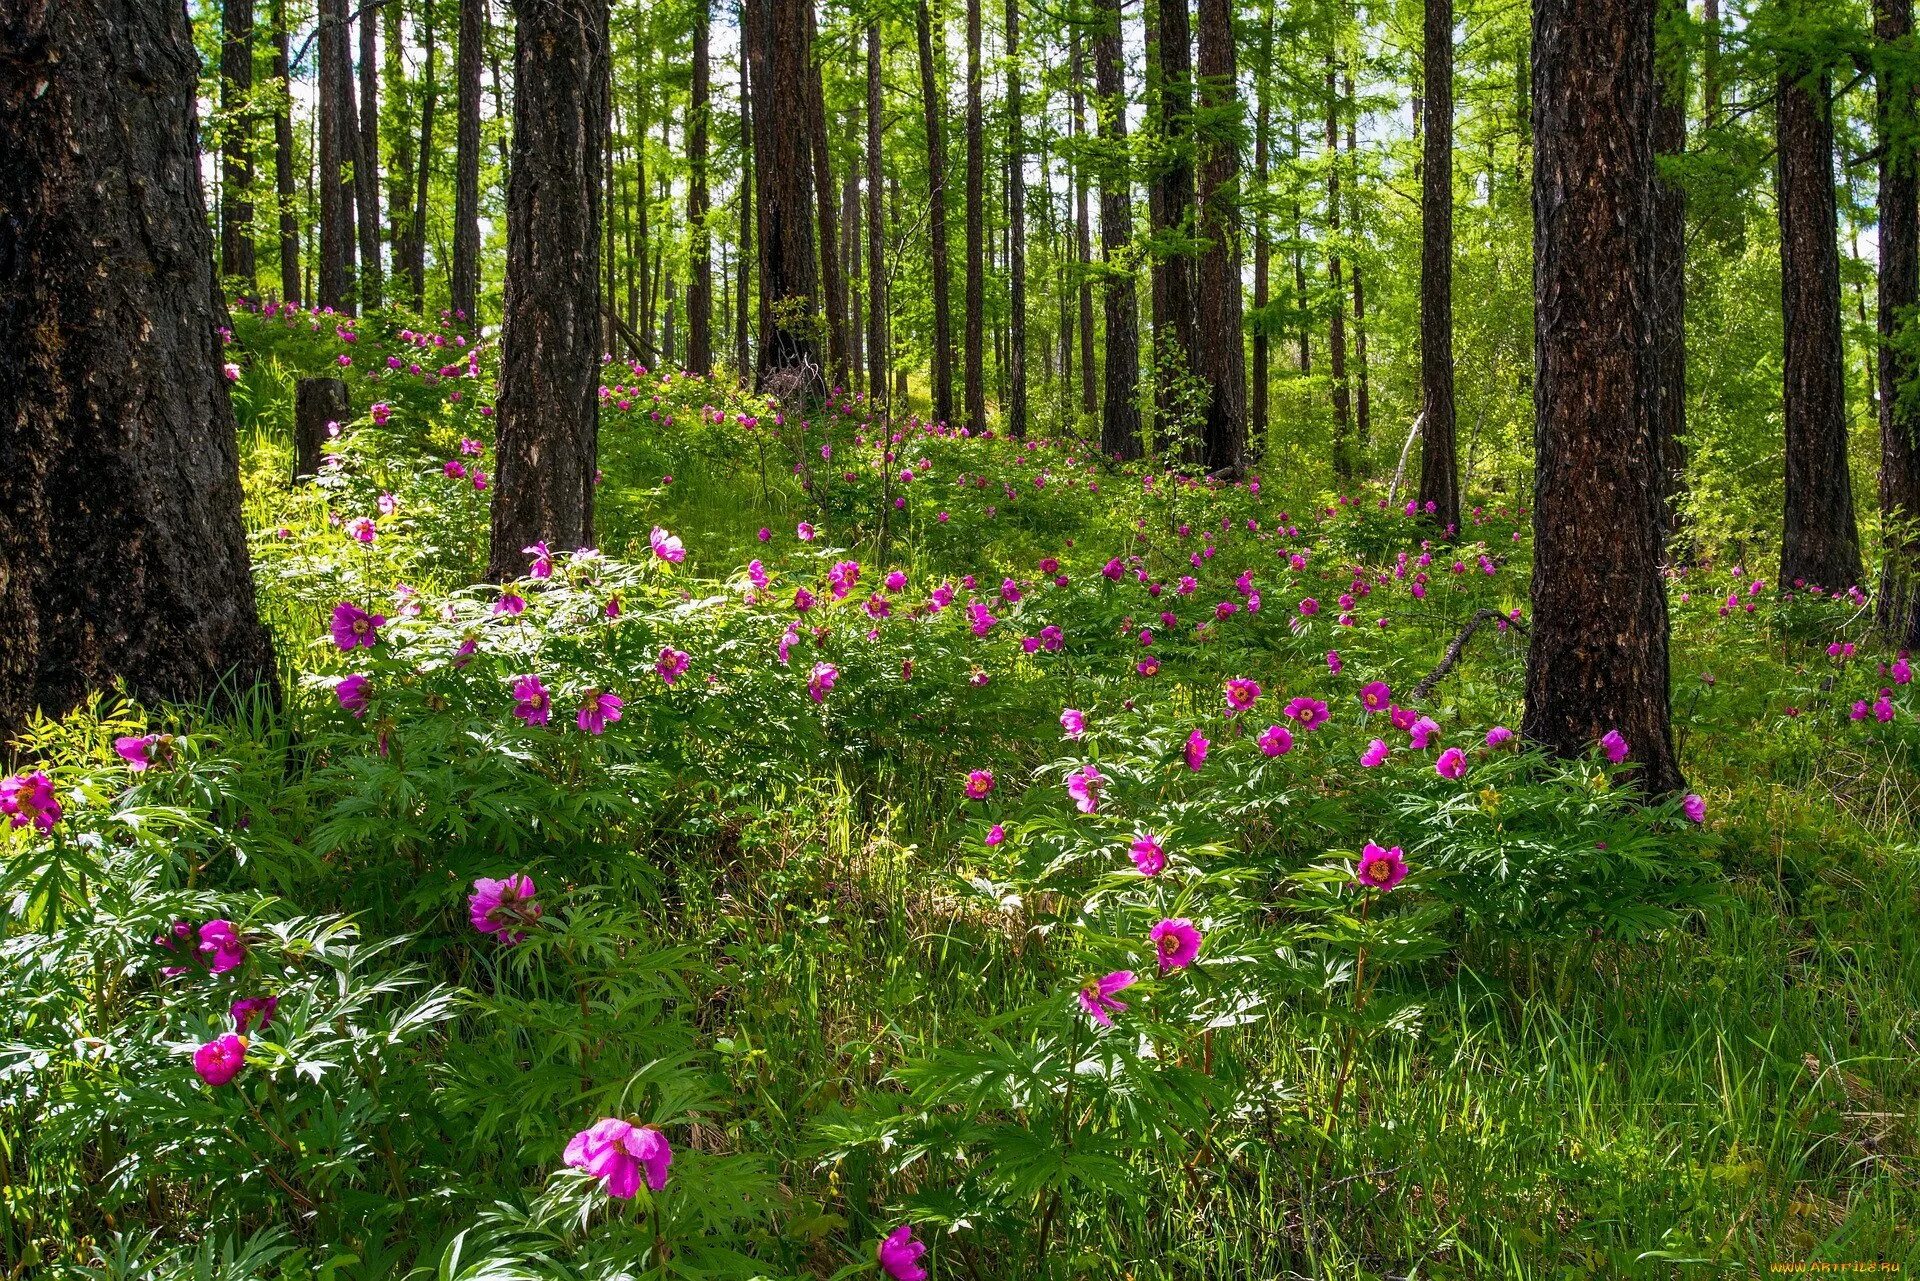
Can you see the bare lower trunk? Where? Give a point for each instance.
(464, 283)
(236, 157)
(1120, 417)
(1898, 606)
(1439, 468)
(935, 108)
(1015, 411)
(699, 240)
(1221, 356)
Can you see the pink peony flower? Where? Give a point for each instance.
(355, 693)
(499, 906)
(804, 532)
(1452, 764)
(1375, 696)
(136, 752)
(671, 665)
(1423, 732)
(1276, 740)
(1694, 807)
(1614, 744)
(1499, 734)
(1084, 785)
(221, 947)
(979, 784)
(1376, 754)
(1074, 722)
(666, 546)
(598, 711)
(1241, 694)
(899, 1255)
(253, 1011)
(1177, 942)
(620, 1155)
(1310, 712)
(1381, 869)
(1097, 999)
(542, 566)
(511, 605)
(535, 705)
(354, 628)
(220, 1060)
(1149, 854)
(820, 681)
(995, 835)
(1196, 750)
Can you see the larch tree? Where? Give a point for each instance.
(1439, 466)
(973, 353)
(1597, 648)
(1670, 259)
(236, 152)
(1344, 466)
(775, 34)
(833, 288)
(1015, 410)
(366, 158)
(464, 282)
(337, 145)
(699, 238)
(1170, 206)
(548, 412)
(122, 551)
(877, 362)
(289, 218)
(934, 108)
(1220, 358)
(1897, 607)
(1120, 408)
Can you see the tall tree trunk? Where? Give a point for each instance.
(935, 106)
(123, 550)
(1015, 411)
(550, 329)
(789, 269)
(1439, 460)
(876, 232)
(1120, 417)
(400, 172)
(1821, 546)
(1302, 328)
(283, 159)
(1898, 605)
(833, 288)
(430, 97)
(1710, 61)
(236, 156)
(1363, 392)
(1670, 265)
(1343, 462)
(1083, 231)
(1170, 209)
(1221, 358)
(742, 351)
(366, 159)
(465, 281)
(850, 262)
(336, 150)
(1262, 243)
(699, 238)
(974, 380)
(1597, 652)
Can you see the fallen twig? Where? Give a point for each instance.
(1456, 647)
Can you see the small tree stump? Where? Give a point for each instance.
(317, 402)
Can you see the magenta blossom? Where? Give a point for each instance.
(1310, 712)
(254, 1011)
(535, 705)
(1376, 754)
(1499, 734)
(995, 835)
(899, 1255)
(1097, 999)
(1381, 869)
(1084, 785)
(979, 784)
(138, 752)
(511, 605)
(355, 693)
(666, 546)
(220, 1060)
(1375, 696)
(1196, 750)
(1694, 807)
(671, 665)
(1452, 764)
(221, 946)
(1241, 694)
(1423, 733)
(354, 628)
(1276, 740)
(542, 566)
(1074, 722)
(1149, 854)
(804, 532)
(1177, 942)
(598, 711)
(820, 681)
(1614, 744)
(620, 1155)
(501, 906)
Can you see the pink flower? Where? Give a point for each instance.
(1074, 722)
(1084, 785)
(1310, 712)
(500, 906)
(536, 704)
(804, 532)
(542, 566)
(1614, 744)
(220, 1060)
(1149, 854)
(354, 628)
(254, 1011)
(136, 752)
(1422, 733)
(820, 681)
(1452, 764)
(599, 709)
(1498, 734)
(620, 1154)
(221, 947)
(355, 692)
(995, 835)
(362, 530)
(1375, 695)
(671, 665)
(1196, 751)
(899, 1255)
(1381, 869)
(666, 546)
(979, 784)
(1241, 694)
(1376, 754)
(1176, 941)
(1694, 807)
(1276, 740)
(511, 605)
(1096, 998)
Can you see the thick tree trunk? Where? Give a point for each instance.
(430, 97)
(1821, 547)
(934, 103)
(833, 288)
(699, 239)
(1015, 410)
(1439, 466)
(1083, 228)
(1221, 358)
(1597, 652)
(1670, 275)
(876, 231)
(318, 403)
(550, 331)
(465, 281)
(974, 376)
(283, 160)
(1343, 462)
(1898, 607)
(789, 269)
(1170, 209)
(236, 156)
(333, 95)
(122, 553)
(1120, 417)
(366, 161)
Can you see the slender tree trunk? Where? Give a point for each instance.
(1343, 461)
(826, 199)
(789, 268)
(1670, 270)
(876, 232)
(1898, 605)
(430, 97)
(1302, 329)
(1083, 233)
(1710, 61)
(465, 281)
(366, 159)
(742, 352)
(974, 381)
(850, 271)
(1015, 410)
(1262, 243)
(400, 172)
(1221, 357)
(1597, 652)
(283, 159)
(236, 157)
(936, 109)
(550, 330)
(1822, 543)
(336, 148)
(1439, 465)
(1363, 392)
(1120, 418)
(699, 239)
(122, 552)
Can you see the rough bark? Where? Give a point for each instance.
(1821, 546)
(548, 415)
(789, 267)
(316, 403)
(1362, 387)
(1897, 608)
(283, 160)
(876, 231)
(742, 353)
(1083, 228)
(1597, 654)
(366, 159)
(1262, 245)
(1343, 463)
(236, 154)
(400, 171)
(464, 284)
(833, 288)
(1120, 416)
(333, 96)
(1170, 211)
(1439, 465)
(699, 240)
(430, 97)
(1016, 407)
(935, 107)
(1670, 266)
(973, 349)
(1221, 357)
(122, 553)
